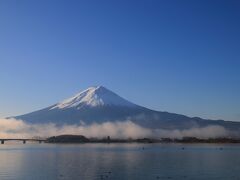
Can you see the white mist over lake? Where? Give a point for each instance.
(12, 128)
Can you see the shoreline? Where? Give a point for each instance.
(186, 140)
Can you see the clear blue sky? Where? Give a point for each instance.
(169, 55)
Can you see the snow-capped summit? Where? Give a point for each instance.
(93, 96)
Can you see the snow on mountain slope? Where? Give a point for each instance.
(93, 96)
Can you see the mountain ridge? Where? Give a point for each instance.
(97, 104)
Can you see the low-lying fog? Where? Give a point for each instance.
(12, 128)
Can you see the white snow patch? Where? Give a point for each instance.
(93, 96)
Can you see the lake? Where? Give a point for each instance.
(119, 161)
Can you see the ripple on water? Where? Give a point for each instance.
(119, 161)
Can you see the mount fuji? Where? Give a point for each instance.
(98, 104)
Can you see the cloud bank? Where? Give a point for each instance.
(12, 128)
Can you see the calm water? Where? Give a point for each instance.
(119, 161)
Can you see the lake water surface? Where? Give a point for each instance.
(119, 161)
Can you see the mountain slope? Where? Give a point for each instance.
(98, 104)
(93, 96)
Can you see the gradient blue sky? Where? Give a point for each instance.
(176, 56)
